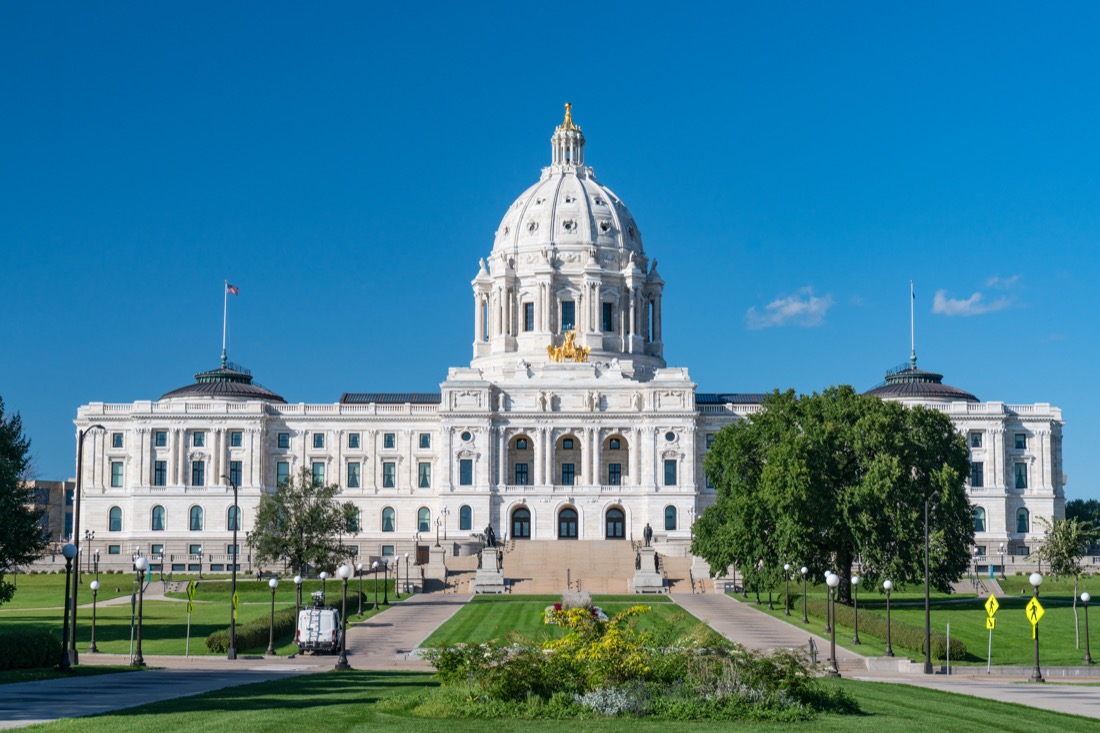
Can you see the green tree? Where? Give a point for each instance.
(1085, 510)
(822, 480)
(301, 523)
(1067, 541)
(21, 536)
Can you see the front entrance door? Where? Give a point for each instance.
(615, 524)
(521, 524)
(421, 554)
(567, 524)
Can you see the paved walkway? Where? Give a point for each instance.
(385, 640)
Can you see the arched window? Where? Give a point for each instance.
(670, 518)
(979, 519)
(233, 519)
(424, 520)
(158, 519)
(1023, 520)
(114, 520)
(567, 524)
(389, 520)
(465, 517)
(196, 519)
(615, 524)
(521, 524)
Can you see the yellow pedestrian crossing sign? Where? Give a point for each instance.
(190, 590)
(991, 607)
(990, 623)
(236, 600)
(1034, 611)
(190, 606)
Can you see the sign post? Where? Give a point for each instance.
(991, 607)
(190, 609)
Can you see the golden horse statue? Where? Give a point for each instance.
(569, 351)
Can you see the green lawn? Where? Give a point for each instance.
(48, 590)
(485, 619)
(11, 676)
(339, 702)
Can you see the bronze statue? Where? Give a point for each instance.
(500, 560)
(490, 537)
(647, 534)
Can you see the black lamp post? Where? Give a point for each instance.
(324, 593)
(1036, 674)
(407, 577)
(74, 656)
(804, 570)
(63, 664)
(927, 598)
(374, 568)
(1002, 561)
(397, 578)
(89, 536)
(273, 584)
(829, 605)
(1085, 598)
(140, 564)
(386, 581)
(887, 585)
(359, 572)
(233, 583)
(438, 524)
(95, 559)
(344, 571)
(787, 589)
(855, 605)
(832, 581)
(94, 585)
(297, 597)
(200, 562)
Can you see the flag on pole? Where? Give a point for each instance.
(232, 289)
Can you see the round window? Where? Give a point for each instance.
(670, 436)
(466, 435)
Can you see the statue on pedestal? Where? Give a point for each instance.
(647, 534)
(490, 537)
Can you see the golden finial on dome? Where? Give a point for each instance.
(568, 123)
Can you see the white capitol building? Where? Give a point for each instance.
(589, 439)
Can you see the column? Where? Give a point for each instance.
(479, 334)
(538, 451)
(502, 450)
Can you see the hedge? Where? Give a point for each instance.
(902, 634)
(28, 649)
(254, 633)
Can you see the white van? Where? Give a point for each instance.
(319, 629)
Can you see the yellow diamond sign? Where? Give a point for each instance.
(1034, 611)
(191, 590)
(991, 606)
(236, 600)
(991, 623)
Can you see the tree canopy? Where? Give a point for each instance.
(302, 523)
(1084, 510)
(824, 479)
(1067, 541)
(21, 536)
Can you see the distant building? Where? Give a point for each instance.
(567, 424)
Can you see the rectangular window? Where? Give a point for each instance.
(69, 497)
(318, 473)
(607, 323)
(975, 440)
(670, 472)
(198, 439)
(116, 440)
(160, 438)
(568, 315)
(114, 549)
(710, 482)
(232, 550)
(710, 440)
(1021, 441)
(116, 474)
(353, 475)
(236, 438)
(977, 475)
(425, 440)
(466, 472)
(318, 440)
(389, 475)
(521, 443)
(284, 440)
(351, 523)
(1021, 475)
(160, 473)
(521, 474)
(353, 440)
(528, 316)
(567, 474)
(282, 473)
(389, 440)
(194, 549)
(387, 550)
(614, 444)
(567, 444)
(424, 475)
(614, 474)
(198, 473)
(156, 549)
(235, 473)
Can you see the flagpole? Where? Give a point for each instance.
(912, 327)
(225, 313)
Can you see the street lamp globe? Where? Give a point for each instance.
(358, 567)
(141, 563)
(887, 584)
(324, 575)
(273, 583)
(68, 551)
(344, 571)
(374, 565)
(297, 580)
(804, 570)
(786, 567)
(94, 585)
(855, 580)
(1085, 598)
(833, 580)
(1036, 580)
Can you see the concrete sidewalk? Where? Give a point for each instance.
(385, 641)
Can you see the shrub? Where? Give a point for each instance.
(254, 633)
(902, 634)
(28, 649)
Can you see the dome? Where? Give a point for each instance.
(909, 383)
(228, 382)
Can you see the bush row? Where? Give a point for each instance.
(254, 633)
(28, 649)
(902, 634)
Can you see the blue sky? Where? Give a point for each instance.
(791, 166)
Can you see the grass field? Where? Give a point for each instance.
(346, 702)
(486, 619)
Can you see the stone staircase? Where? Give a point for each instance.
(555, 566)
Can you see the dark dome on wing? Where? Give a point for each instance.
(228, 382)
(909, 383)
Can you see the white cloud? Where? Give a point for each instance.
(801, 309)
(1001, 282)
(975, 305)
